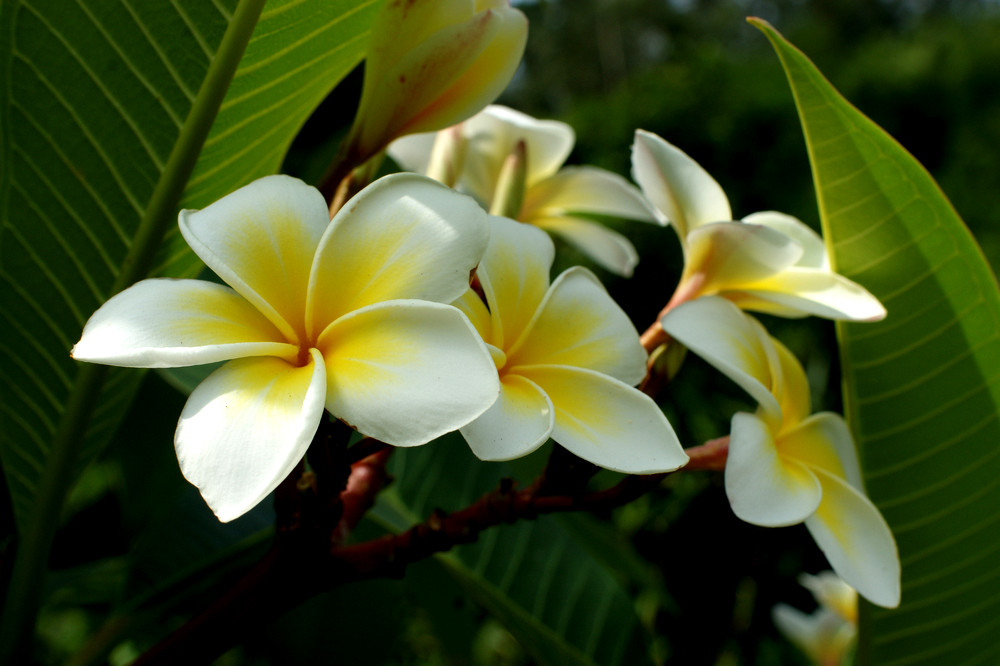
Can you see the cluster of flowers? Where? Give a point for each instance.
(371, 316)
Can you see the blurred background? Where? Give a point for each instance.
(694, 72)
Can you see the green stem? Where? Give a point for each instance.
(27, 577)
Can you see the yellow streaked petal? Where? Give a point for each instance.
(261, 240)
(732, 342)
(580, 325)
(832, 592)
(763, 487)
(607, 248)
(731, 255)
(246, 426)
(514, 275)
(585, 190)
(823, 441)
(406, 372)
(807, 291)
(165, 323)
(518, 422)
(856, 541)
(606, 421)
(472, 306)
(404, 236)
(791, 388)
(813, 251)
(677, 186)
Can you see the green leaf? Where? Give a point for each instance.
(108, 107)
(921, 387)
(560, 602)
(108, 104)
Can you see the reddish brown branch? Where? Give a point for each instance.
(390, 554)
(368, 477)
(711, 455)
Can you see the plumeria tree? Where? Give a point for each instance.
(381, 373)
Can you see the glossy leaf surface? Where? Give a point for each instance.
(922, 387)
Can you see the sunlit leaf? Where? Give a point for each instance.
(922, 387)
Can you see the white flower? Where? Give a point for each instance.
(828, 634)
(568, 358)
(320, 314)
(559, 200)
(770, 262)
(786, 466)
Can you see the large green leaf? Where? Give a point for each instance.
(922, 387)
(106, 109)
(299, 52)
(537, 577)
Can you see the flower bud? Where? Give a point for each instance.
(432, 64)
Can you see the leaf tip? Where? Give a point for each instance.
(761, 24)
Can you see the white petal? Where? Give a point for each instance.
(246, 426)
(800, 291)
(413, 152)
(733, 343)
(514, 275)
(261, 240)
(676, 185)
(585, 190)
(832, 592)
(405, 372)
(166, 323)
(824, 635)
(856, 541)
(518, 422)
(492, 135)
(607, 248)
(607, 422)
(404, 236)
(580, 325)
(800, 628)
(763, 488)
(813, 251)
(731, 255)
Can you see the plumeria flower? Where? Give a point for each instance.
(317, 315)
(559, 200)
(786, 466)
(431, 64)
(568, 358)
(827, 635)
(769, 262)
